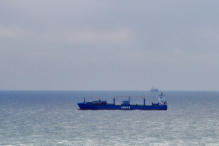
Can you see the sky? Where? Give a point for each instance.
(109, 45)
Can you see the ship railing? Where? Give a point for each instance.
(93, 97)
(129, 96)
(114, 102)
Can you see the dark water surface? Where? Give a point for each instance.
(52, 118)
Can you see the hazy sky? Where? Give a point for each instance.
(109, 44)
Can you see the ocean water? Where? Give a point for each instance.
(52, 118)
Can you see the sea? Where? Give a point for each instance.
(53, 118)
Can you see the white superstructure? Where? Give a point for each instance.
(162, 99)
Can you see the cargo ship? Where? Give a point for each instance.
(154, 90)
(103, 105)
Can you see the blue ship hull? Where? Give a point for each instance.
(84, 106)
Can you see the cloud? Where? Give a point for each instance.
(119, 36)
(14, 32)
